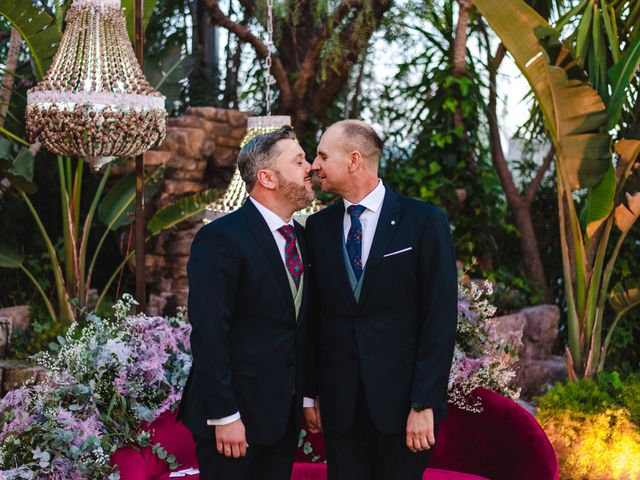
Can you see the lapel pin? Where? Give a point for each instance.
(393, 222)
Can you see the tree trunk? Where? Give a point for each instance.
(9, 74)
(460, 51)
(520, 206)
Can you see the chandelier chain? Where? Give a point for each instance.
(268, 78)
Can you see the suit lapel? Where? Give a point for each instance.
(387, 223)
(260, 230)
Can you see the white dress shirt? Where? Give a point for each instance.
(274, 222)
(369, 220)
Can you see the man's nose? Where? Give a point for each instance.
(315, 165)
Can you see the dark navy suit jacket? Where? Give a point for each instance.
(399, 337)
(246, 342)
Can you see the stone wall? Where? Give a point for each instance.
(538, 367)
(199, 153)
(15, 373)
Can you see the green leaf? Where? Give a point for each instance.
(620, 76)
(19, 169)
(625, 295)
(37, 29)
(582, 42)
(180, 210)
(610, 29)
(601, 199)
(580, 116)
(120, 199)
(147, 11)
(23, 164)
(168, 73)
(10, 256)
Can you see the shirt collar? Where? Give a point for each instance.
(373, 201)
(273, 221)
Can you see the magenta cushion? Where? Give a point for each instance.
(504, 442)
(437, 474)
(143, 464)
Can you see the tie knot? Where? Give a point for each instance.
(287, 231)
(356, 210)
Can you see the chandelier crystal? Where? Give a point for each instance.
(94, 101)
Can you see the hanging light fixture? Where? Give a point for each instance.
(236, 192)
(95, 102)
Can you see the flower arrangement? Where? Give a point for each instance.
(106, 378)
(482, 358)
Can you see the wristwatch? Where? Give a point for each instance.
(418, 407)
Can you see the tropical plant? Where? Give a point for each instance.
(73, 272)
(578, 122)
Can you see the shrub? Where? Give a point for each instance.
(593, 427)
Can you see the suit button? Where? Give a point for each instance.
(352, 355)
(358, 319)
(290, 364)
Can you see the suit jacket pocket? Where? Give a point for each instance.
(245, 367)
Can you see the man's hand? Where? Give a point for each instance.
(312, 416)
(231, 440)
(420, 430)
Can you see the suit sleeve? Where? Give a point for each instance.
(213, 270)
(439, 313)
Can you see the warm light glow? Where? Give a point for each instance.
(600, 446)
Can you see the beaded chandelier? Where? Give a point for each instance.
(95, 102)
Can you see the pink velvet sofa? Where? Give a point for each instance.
(504, 442)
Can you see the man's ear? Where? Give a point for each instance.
(355, 160)
(267, 179)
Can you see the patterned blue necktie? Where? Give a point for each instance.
(354, 239)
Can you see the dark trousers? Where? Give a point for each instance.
(262, 462)
(363, 453)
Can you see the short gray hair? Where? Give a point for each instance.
(362, 135)
(259, 152)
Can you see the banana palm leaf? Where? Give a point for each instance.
(600, 202)
(620, 77)
(180, 210)
(514, 22)
(574, 113)
(628, 200)
(38, 30)
(625, 296)
(580, 115)
(116, 209)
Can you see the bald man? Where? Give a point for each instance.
(385, 315)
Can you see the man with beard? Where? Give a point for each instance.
(247, 301)
(385, 321)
